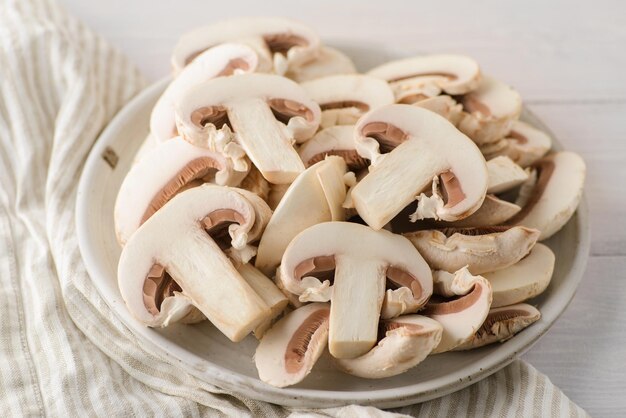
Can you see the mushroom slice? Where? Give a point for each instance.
(358, 260)
(504, 175)
(550, 198)
(255, 183)
(526, 279)
(221, 60)
(147, 145)
(493, 211)
(417, 78)
(344, 98)
(181, 239)
(335, 140)
(163, 172)
(524, 145)
(327, 61)
(490, 111)
(288, 351)
(265, 112)
(290, 43)
(411, 149)
(481, 249)
(403, 343)
(315, 196)
(444, 106)
(461, 317)
(502, 324)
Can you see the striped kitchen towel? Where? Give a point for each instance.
(62, 351)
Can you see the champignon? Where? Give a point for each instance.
(523, 280)
(493, 211)
(163, 172)
(147, 145)
(524, 145)
(417, 78)
(326, 61)
(444, 106)
(403, 343)
(177, 252)
(551, 195)
(255, 183)
(221, 60)
(489, 111)
(265, 112)
(358, 260)
(411, 149)
(501, 324)
(315, 196)
(290, 43)
(344, 98)
(504, 175)
(288, 351)
(335, 140)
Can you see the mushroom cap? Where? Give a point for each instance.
(282, 36)
(334, 140)
(221, 60)
(405, 342)
(556, 194)
(481, 249)
(523, 280)
(501, 324)
(314, 197)
(524, 144)
(426, 146)
(163, 172)
(288, 351)
(344, 98)
(327, 61)
(504, 175)
(429, 75)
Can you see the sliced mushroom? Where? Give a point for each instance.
(335, 140)
(255, 183)
(290, 43)
(524, 145)
(358, 260)
(444, 106)
(165, 171)
(327, 61)
(344, 98)
(182, 240)
(461, 317)
(403, 343)
(146, 147)
(490, 111)
(417, 78)
(288, 351)
(481, 249)
(550, 198)
(221, 60)
(265, 112)
(493, 211)
(315, 196)
(502, 324)
(526, 279)
(411, 149)
(504, 175)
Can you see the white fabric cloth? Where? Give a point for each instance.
(62, 351)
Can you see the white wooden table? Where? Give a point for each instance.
(567, 59)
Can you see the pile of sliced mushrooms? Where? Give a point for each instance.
(386, 216)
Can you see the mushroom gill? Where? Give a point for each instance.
(301, 340)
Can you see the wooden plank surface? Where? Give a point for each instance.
(565, 57)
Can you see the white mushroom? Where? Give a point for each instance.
(146, 147)
(490, 111)
(358, 260)
(524, 145)
(417, 78)
(335, 140)
(481, 249)
(550, 198)
(502, 324)
(315, 196)
(221, 60)
(180, 241)
(493, 211)
(444, 106)
(255, 183)
(504, 175)
(265, 112)
(461, 317)
(163, 172)
(403, 343)
(526, 279)
(288, 351)
(290, 43)
(344, 98)
(411, 149)
(327, 61)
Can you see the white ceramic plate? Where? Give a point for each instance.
(205, 353)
